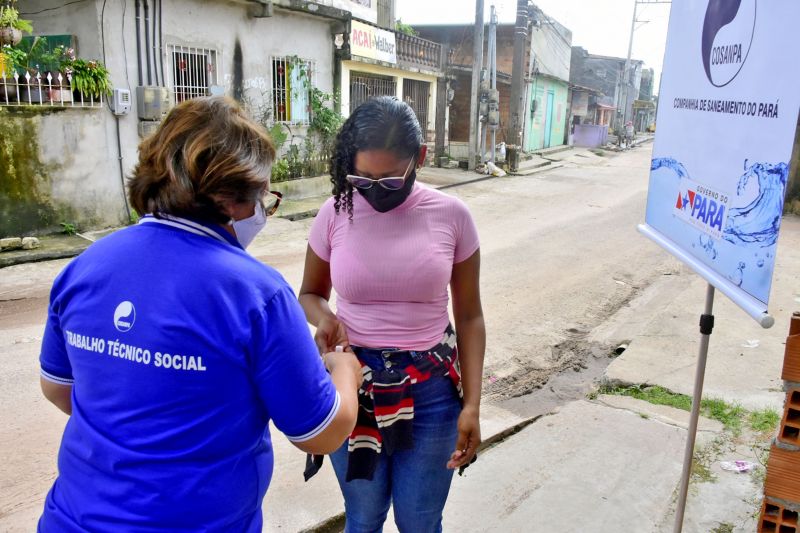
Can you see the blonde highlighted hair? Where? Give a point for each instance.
(206, 150)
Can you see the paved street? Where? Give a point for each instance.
(566, 278)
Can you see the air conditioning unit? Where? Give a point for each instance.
(153, 103)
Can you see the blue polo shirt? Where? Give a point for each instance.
(179, 347)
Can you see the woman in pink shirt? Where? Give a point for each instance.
(390, 247)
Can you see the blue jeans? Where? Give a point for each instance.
(415, 481)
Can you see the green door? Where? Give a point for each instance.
(548, 125)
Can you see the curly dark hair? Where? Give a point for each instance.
(382, 123)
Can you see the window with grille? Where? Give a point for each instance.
(292, 80)
(194, 70)
(365, 86)
(416, 94)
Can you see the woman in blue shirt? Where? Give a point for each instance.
(172, 348)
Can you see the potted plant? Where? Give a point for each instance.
(55, 65)
(13, 60)
(11, 26)
(89, 78)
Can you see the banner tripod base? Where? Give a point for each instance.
(706, 326)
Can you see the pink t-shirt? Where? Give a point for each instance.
(391, 270)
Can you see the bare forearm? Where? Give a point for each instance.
(57, 394)
(315, 307)
(471, 334)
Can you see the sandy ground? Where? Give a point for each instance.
(560, 255)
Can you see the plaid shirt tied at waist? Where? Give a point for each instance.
(386, 404)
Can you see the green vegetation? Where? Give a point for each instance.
(732, 416)
(68, 228)
(764, 420)
(405, 28)
(9, 18)
(91, 78)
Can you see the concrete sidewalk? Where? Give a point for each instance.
(613, 464)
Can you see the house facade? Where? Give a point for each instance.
(606, 75)
(66, 159)
(546, 80)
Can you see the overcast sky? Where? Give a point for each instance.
(601, 26)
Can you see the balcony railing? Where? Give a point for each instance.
(52, 91)
(416, 52)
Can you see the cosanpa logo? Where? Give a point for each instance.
(728, 31)
(124, 316)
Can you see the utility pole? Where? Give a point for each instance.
(517, 106)
(627, 74)
(477, 61)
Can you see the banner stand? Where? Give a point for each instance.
(706, 326)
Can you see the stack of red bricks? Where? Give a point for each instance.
(779, 512)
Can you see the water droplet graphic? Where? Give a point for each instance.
(708, 246)
(738, 276)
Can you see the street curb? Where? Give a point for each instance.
(553, 165)
(38, 257)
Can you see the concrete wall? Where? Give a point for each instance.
(362, 9)
(551, 44)
(76, 165)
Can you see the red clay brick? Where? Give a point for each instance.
(776, 519)
(783, 475)
(791, 359)
(789, 431)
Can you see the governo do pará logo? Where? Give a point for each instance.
(124, 316)
(728, 31)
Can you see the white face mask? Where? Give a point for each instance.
(247, 228)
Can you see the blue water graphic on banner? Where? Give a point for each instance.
(753, 221)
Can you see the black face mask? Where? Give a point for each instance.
(383, 200)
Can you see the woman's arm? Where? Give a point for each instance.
(58, 394)
(346, 376)
(314, 295)
(471, 337)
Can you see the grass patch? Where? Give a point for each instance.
(764, 420)
(730, 415)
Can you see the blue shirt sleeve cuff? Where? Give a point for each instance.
(321, 427)
(49, 376)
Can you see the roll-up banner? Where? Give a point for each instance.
(726, 125)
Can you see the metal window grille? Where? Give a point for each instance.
(417, 94)
(385, 13)
(292, 80)
(366, 86)
(194, 70)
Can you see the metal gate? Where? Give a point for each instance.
(416, 94)
(366, 86)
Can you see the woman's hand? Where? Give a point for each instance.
(347, 361)
(330, 334)
(469, 438)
